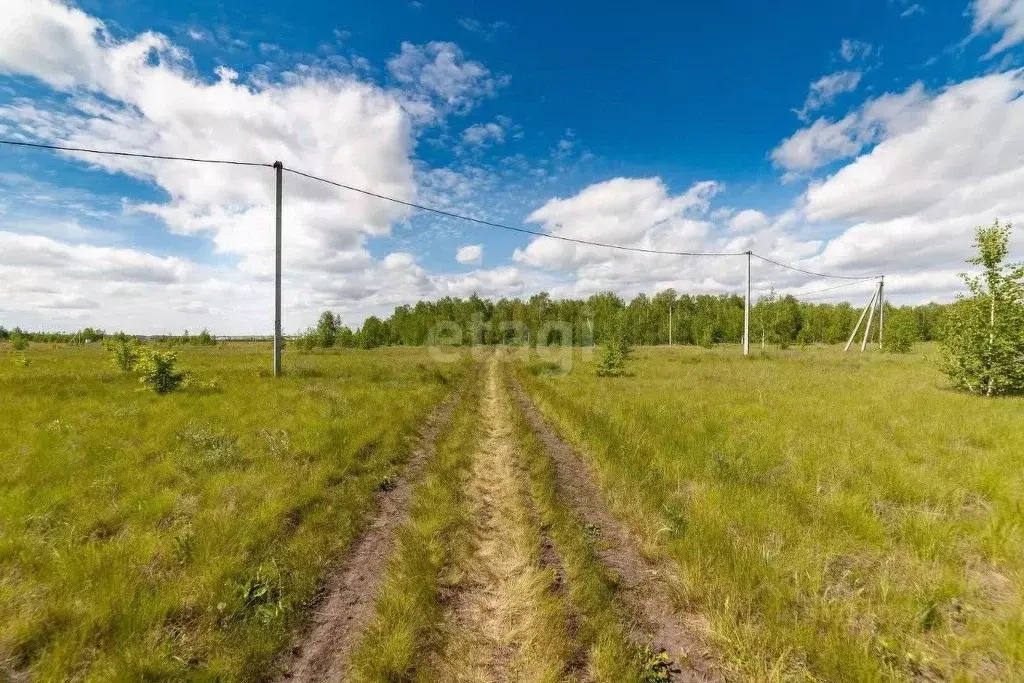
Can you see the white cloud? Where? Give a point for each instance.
(749, 220)
(636, 212)
(481, 134)
(1005, 16)
(824, 141)
(912, 10)
(826, 89)
(471, 253)
(439, 70)
(851, 50)
(913, 201)
(143, 93)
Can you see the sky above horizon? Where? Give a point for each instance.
(850, 138)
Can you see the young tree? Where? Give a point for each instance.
(900, 330)
(983, 344)
(327, 329)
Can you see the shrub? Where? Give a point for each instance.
(307, 341)
(707, 337)
(983, 344)
(205, 339)
(18, 341)
(900, 332)
(124, 352)
(612, 363)
(158, 370)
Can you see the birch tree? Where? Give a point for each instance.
(983, 343)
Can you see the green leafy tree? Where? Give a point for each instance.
(900, 331)
(327, 329)
(308, 340)
(983, 344)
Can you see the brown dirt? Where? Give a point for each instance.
(644, 585)
(350, 592)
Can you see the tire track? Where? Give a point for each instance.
(350, 592)
(499, 621)
(644, 585)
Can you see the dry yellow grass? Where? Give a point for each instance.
(506, 623)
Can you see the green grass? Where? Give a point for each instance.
(409, 610)
(836, 516)
(600, 630)
(147, 537)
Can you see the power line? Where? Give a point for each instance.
(829, 289)
(526, 231)
(137, 155)
(430, 209)
(811, 272)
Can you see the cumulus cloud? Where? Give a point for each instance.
(143, 94)
(636, 212)
(826, 89)
(749, 220)
(917, 196)
(825, 141)
(471, 253)
(1005, 16)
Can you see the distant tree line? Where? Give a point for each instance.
(607, 318)
(89, 335)
(600, 319)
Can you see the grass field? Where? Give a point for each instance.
(147, 537)
(830, 516)
(835, 516)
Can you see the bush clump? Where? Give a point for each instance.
(158, 370)
(900, 332)
(124, 352)
(613, 359)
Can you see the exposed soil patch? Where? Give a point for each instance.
(643, 584)
(350, 592)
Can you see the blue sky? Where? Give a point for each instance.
(858, 137)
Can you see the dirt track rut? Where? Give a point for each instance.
(644, 585)
(495, 621)
(347, 608)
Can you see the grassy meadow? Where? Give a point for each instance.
(835, 516)
(147, 537)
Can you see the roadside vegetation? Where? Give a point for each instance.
(423, 568)
(837, 516)
(147, 536)
(601, 637)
